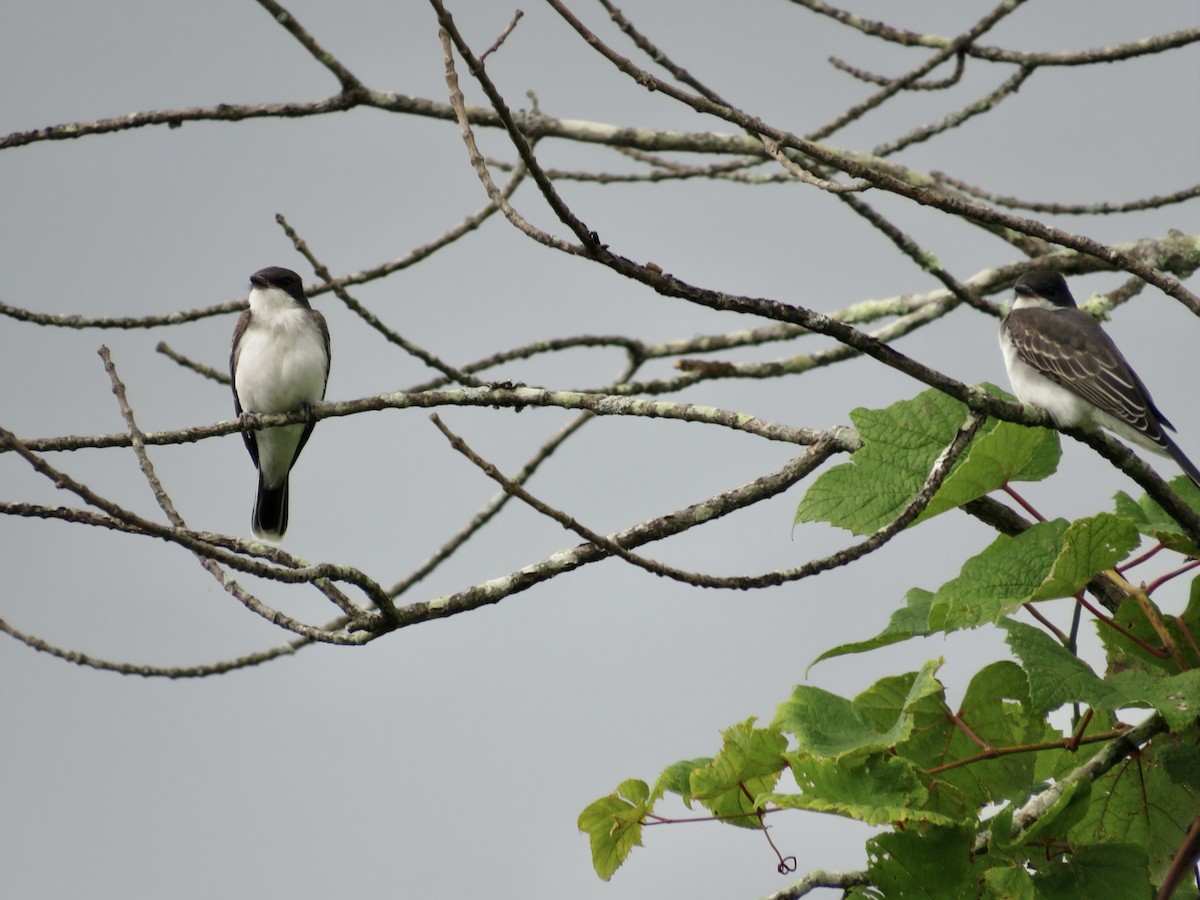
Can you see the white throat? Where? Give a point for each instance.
(270, 301)
(1024, 301)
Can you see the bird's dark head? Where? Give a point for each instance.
(1044, 288)
(283, 279)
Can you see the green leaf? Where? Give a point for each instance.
(999, 579)
(1124, 650)
(909, 622)
(1105, 870)
(1150, 519)
(676, 778)
(1143, 805)
(614, 825)
(1177, 698)
(1047, 561)
(900, 445)
(748, 764)
(926, 720)
(933, 864)
(998, 711)
(1182, 764)
(1000, 845)
(1056, 676)
(875, 789)
(1008, 883)
(1001, 453)
(893, 695)
(1090, 546)
(824, 723)
(828, 725)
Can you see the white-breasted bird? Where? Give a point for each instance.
(279, 363)
(1060, 359)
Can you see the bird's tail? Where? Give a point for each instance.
(1180, 457)
(270, 511)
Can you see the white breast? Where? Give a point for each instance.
(1031, 386)
(281, 359)
(1068, 410)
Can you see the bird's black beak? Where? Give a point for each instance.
(258, 281)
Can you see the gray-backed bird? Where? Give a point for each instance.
(1060, 359)
(279, 363)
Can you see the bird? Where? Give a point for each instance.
(1059, 359)
(279, 363)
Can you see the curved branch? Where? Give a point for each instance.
(206, 561)
(821, 878)
(878, 172)
(982, 105)
(906, 517)
(289, 570)
(452, 374)
(172, 672)
(668, 285)
(938, 85)
(1111, 754)
(677, 522)
(1071, 209)
(1143, 47)
(951, 48)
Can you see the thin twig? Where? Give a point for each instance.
(1145, 46)
(458, 104)
(1068, 209)
(954, 47)
(350, 84)
(190, 540)
(655, 529)
(57, 320)
(500, 500)
(883, 81)
(218, 375)
(870, 169)
(652, 50)
(496, 44)
(794, 169)
(369, 317)
(171, 672)
(911, 511)
(984, 104)
(139, 448)
(928, 262)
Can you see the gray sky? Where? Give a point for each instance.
(452, 759)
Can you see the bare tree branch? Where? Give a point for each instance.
(906, 516)
(1143, 47)
(879, 175)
